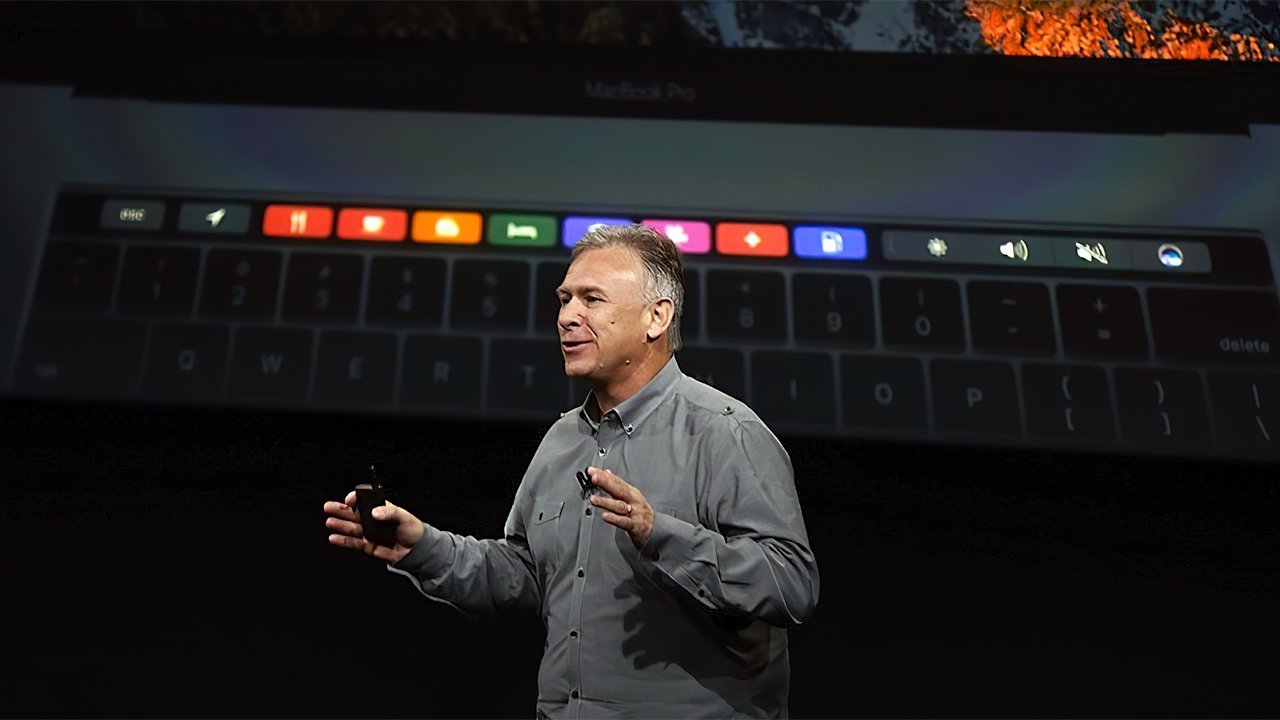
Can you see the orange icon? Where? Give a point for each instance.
(444, 226)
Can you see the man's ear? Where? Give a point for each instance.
(661, 313)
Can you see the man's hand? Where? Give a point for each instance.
(344, 521)
(625, 507)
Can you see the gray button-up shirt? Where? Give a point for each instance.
(692, 626)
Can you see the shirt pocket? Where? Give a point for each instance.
(544, 526)
(546, 512)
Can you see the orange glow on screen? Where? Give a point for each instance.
(1105, 29)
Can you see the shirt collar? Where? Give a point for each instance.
(633, 411)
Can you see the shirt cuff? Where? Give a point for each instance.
(430, 557)
(669, 553)
(670, 542)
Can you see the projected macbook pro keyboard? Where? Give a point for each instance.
(1111, 339)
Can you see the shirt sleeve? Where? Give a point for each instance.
(476, 577)
(755, 562)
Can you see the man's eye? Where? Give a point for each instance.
(594, 298)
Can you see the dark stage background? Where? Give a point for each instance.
(170, 561)
(174, 563)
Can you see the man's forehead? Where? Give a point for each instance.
(605, 267)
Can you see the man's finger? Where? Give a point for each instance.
(620, 521)
(387, 512)
(611, 504)
(346, 527)
(339, 510)
(355, 543)
(610, 483)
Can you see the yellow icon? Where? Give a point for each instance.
(447, 227)
(372, 224)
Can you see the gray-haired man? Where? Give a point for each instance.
(667, 593)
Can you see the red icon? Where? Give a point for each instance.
(757, 239)
(372, 224)
(309, 221)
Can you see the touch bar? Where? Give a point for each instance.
(1061, 252)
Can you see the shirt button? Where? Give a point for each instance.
(581, 572)
(588, 511)
(702, 593)
(573, 633)
(574, 694)
(602, 452)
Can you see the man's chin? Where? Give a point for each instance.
(577, 368)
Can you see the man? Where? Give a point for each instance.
(668, 582)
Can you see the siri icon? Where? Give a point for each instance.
(1170, 255)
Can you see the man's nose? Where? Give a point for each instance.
(570, 314)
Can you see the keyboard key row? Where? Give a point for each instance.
(1003, 318)
(1078, 405)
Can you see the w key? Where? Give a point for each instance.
(271, 364)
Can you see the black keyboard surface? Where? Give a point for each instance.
(1127, 340)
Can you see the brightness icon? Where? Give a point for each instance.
(936, 246)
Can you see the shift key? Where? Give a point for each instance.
(1215, 325)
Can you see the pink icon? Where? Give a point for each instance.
(690, 236)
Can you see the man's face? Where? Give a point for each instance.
(603, 316)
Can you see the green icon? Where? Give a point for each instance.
(522, 230)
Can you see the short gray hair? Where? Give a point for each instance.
(663, 265)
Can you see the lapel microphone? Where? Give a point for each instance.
(584, 482)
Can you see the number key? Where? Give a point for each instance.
(323, 287)
(833, 309)
(744, 305)
(407, 291)
(159, 280)
(919, 313)
(490, 295)
(240, 284)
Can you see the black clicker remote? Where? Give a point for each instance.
(369, 496)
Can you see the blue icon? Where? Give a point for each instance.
(833, 243)
(1170, 255)
(575, 227)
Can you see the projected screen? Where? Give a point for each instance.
(1092, 291)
